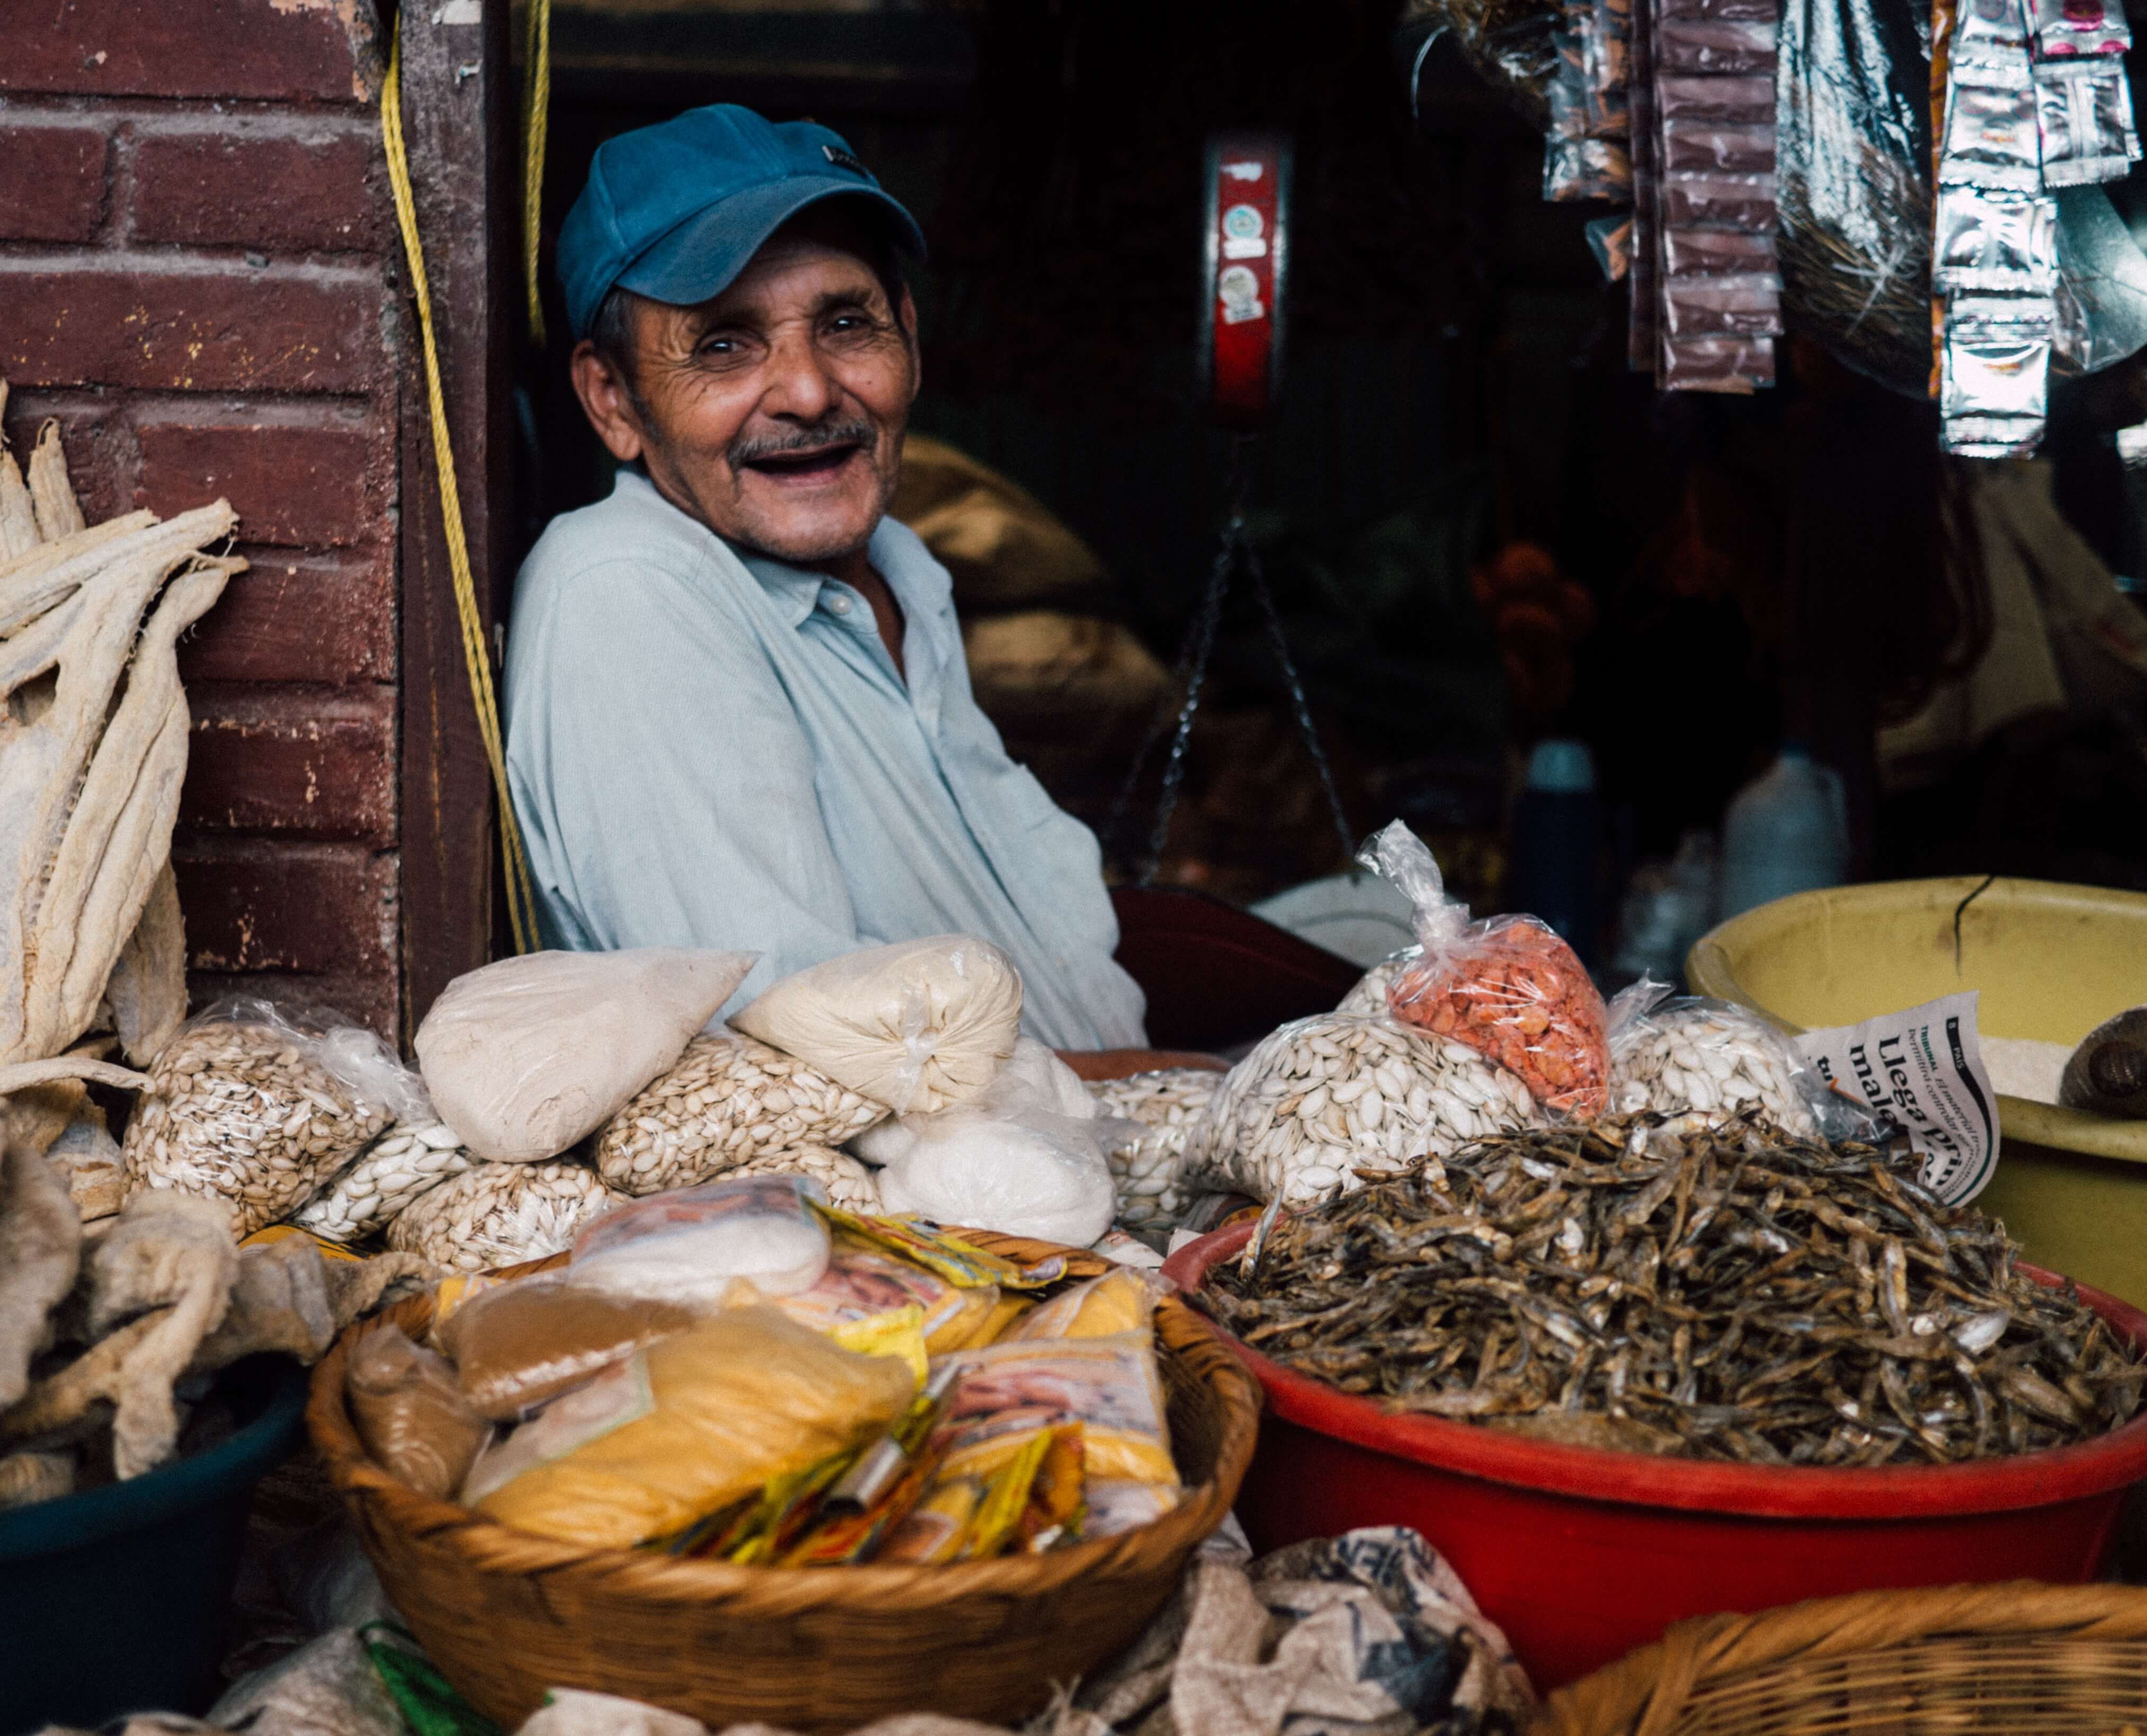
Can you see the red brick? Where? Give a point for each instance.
(370, 1000)
(319, 909)
(269, 49)
(305, 329)
(54, 187)
(224, 188)
(99, 444)
(325, 619)
(295, 486)
(304, 762)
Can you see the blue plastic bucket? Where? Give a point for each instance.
(116, 1601)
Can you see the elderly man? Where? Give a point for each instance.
(738, 711)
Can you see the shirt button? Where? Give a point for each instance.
(840, 604)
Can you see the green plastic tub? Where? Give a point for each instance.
(116, 1600)
(2052, 961)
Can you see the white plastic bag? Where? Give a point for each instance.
(526, 1056)
(1025, 1159)
(257, 1104)
(920, 1027)
(690, 1245)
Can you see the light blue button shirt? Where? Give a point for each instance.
(715, 750)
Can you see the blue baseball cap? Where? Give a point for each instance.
(674, 211)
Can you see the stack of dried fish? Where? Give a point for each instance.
(93, 748)
(1732, 1294)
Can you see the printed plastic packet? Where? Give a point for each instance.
(1031, 1501)
(1007, 1393)
(862, 1284)
(1123, 1301)
(958, 1260)
(686, 1427)
(410, 1414)
(691, 1245)
(1507, 986)
(517, 1346)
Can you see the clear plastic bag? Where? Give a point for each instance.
(690, 1246)
(1006, 1392)
(410, 1413)
(257, 1104)
(1507, 986)
(500, 1215)
(922, 1026)
(525, 1056)
(1025, 1159)
(1703, 1062)
(1323, 1097)
(728, 1102)
(517, 1347)
(1150, 1122)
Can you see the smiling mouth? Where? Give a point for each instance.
(816, 465)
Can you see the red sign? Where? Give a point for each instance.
(1246, 242)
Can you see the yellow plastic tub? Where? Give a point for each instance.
(2052, 961)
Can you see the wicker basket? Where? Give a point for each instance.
(2020, 1658)
(507, 1614)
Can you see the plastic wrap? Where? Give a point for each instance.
(690, 1245)
(860, 1284)
(256, 1105)
(527, 1056)
(410, 1414)
(1507, 986)
(727, 1101)
(1852, 183)
(1026, 1158)
(1006, 1392)
(922, 1026)
(500, 1214)
(1149, 1139)
(517, 1347)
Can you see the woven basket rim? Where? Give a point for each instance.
(1643, 1691)
(789, 1590)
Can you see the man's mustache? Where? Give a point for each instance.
(854, 432)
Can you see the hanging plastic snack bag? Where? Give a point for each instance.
(410, 1414)
(919, 1027)
(686, 1427)
(500, 1215)
(1328, 1096)
(729, 1102)
(692, 1245)
(1704, 1061)
(527, 1056)
(1123, 1301)
(517, 1347)
(256, 1105)
(1507, 986)
(1025, 1159)
(1007, 1393)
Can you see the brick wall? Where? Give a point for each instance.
(196, 279)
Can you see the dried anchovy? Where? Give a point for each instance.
(1729, 1293)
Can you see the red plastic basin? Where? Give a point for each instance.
(1582, 1554)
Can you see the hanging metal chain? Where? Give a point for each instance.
(1237, 551)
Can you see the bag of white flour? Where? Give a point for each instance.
(524, 1057)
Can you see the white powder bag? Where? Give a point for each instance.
(920, 1027)
(525, 1056)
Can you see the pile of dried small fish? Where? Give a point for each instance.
(1733, 1294)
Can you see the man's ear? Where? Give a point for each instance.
(607, 403)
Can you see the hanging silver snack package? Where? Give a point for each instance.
(1607, 57)
(1995, 386)
(1987, 27)
(2080, 27)
(1746, 100)
(1741, 304)
(1687, 251)
(1708, 147)
(2084, 114)
(1991, 137)
(1642, 338)
(1717, 364)
(1733, 45)
(1732, 201)
(1996, 240)
(1610, 239)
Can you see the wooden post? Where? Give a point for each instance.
(457, 102)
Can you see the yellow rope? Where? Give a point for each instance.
(520, 914)
(535, 106)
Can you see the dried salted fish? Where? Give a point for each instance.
(1732, 1292)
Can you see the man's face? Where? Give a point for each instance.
(774, 413)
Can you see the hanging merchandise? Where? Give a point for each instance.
(1585, 154)
(2033, 105)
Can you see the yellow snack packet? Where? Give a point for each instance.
(1009, 1312)
(1120, 1301)
(959, 1261)
(1006, 1393)
(685, 1427)
(861, 1283)
(899, 1332)
(937, 1527)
